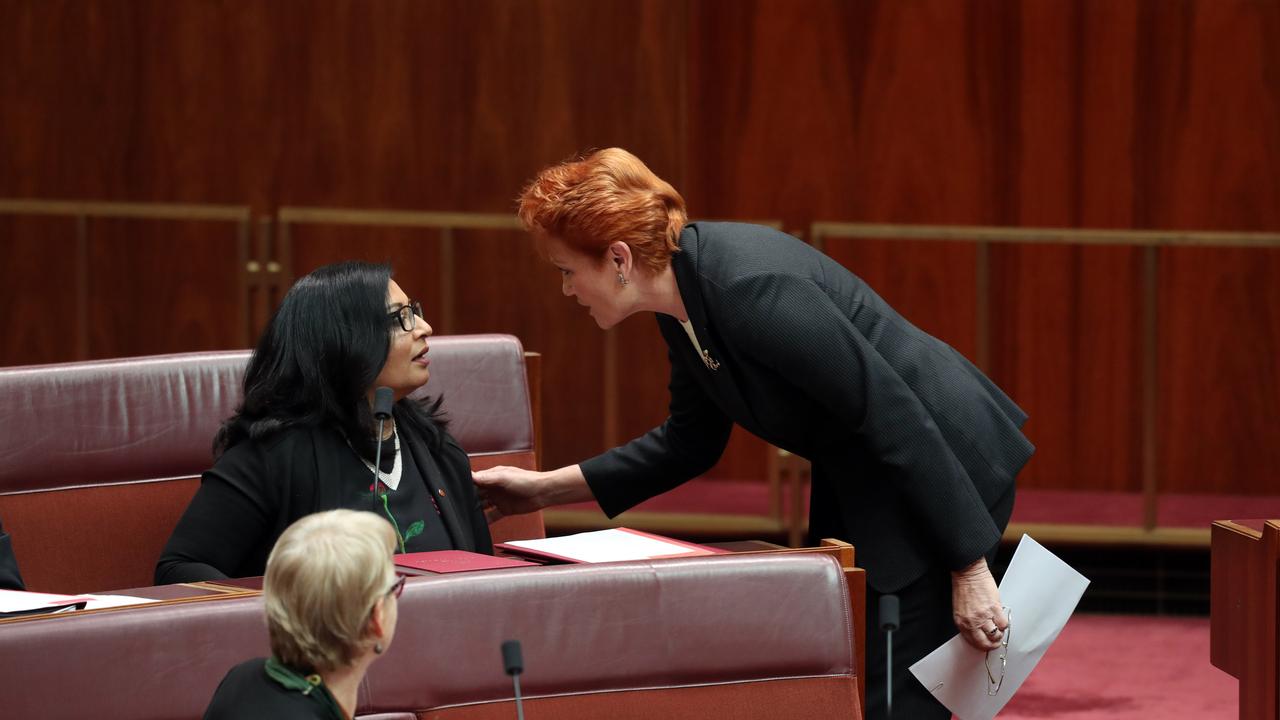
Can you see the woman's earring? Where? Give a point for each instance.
(622, 279)
(377, 648)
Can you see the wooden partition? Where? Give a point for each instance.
(1130, 114)
(89, 280)
(1244, 611)
(1087, 330)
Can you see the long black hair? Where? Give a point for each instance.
(317, 358)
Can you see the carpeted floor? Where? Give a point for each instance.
(1126, 668)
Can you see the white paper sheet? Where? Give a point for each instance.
(98, 602)
(1040, 592)
(19, 601)
(611, 545)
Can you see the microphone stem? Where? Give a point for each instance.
(377, 468)
(515, 679)
(888, 683)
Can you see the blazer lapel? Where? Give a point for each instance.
(722, 380)
(433, 477)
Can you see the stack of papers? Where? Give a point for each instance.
(612, 545)
(14, 603)
(1040, 592)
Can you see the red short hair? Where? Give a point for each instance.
(606, 196)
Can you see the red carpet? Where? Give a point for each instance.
(1127, 668)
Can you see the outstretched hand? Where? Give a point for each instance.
(506, 490)
(975, 606)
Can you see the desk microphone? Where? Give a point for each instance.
(382, 398)
(514, 665)
(888, 623)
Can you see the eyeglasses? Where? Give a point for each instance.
(398, 586)
(994, 683)
(407, 315)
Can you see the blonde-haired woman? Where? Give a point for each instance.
(330, 594)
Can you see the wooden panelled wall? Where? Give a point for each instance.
(1141, 114)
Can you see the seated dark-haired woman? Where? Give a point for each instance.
(303, 439)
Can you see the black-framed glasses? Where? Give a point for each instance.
(993, 682)
(407, 315)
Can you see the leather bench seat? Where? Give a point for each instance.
(99, 459)
(741, 636)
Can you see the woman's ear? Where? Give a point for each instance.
(376, 629)
(620, 256)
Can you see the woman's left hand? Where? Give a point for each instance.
(975, 606)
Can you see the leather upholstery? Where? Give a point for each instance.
(648, 634)
(98, 459)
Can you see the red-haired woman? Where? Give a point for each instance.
(914, 450)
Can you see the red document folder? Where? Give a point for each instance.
(451, 561)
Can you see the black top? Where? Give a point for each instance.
(914, 449)
(257, 489)
(409, 506)
(247, 693)
(10, 579)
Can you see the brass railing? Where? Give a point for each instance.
(81, 212)
(1151, 241)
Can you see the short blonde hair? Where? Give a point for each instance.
(606, 196)
(324, 576)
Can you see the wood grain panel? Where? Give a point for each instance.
(164, 286)
(1134, 113)
(1219, 382)
(40, 292)
(510, 289)
(438, 104)
(413, 253)
(1206, 113)
(455, 105)
(932, 284)
(872, 111)
(1208, 156)
(1066, 345)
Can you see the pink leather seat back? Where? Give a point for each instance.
(763, 636)
(99, 459)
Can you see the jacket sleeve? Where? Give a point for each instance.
(795, 329)
(683, 447)
(228, 517)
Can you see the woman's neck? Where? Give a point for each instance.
(388, 428)
(344, 684)
(661, 294)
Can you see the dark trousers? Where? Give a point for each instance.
(925, 623)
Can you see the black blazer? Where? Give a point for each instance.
(244, 505)
(914, 450)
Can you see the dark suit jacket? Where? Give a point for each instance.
(242, 507)
(10, 579)
(914, 450)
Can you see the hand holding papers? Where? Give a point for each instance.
(606, 546)
(1040, 592)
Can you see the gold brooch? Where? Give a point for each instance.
(711, 363)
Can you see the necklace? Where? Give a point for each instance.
(391, 479)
